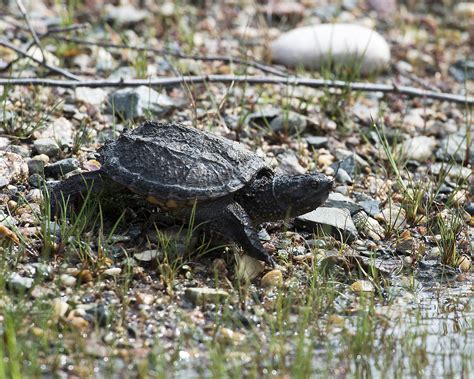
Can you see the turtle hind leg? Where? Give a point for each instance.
(236, 225)
(75, 188)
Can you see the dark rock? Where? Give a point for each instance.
(101, 314)
(337, 200)
(470, 208)
(61, 167)
(36, 181)
(462, 70)
(445, 189)
(35, 166)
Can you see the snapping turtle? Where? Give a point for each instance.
(176, 167)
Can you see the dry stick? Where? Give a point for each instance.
(196, 79)
(43, 62)
(22, 9)
(206, 58)
(59, 29)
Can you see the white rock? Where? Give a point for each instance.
(343, 44)
(93, 96)
(35, 52)
(464, 10)
(60, 130)
(12, 167)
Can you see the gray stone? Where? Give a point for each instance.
(21, 150)
(317, 141)
(124, 72)
(343, 177)
(262, 117)
(347, 164)
(205, 295)
(35, 166)
(371, 207)
(334, 221)
(453, 172)
(350, 160)
(419, 148)
(337, 200)
(289, 122)
(149, 256)
(46, 146)
(19, 283)
(455, 146)
(136, 102)
(42, 270)
(289, 164)
(53, 229)
(61, 167)
(342, 45)
(343, 190)
(393, 216)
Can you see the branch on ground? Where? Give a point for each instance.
(253, 80)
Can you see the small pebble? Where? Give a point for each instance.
(68, 280)
(205, 295)
(60, 308)
(78, 323)
(272, 278)
(465, 263)
(362, 286)
(113, 271)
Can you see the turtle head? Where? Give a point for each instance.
(299, 194)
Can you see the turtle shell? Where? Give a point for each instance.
(174, 164)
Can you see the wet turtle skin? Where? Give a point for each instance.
(177, 167)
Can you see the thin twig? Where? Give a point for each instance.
(22, 9)
(59, 29)
(196, 79)
(43, 62)
(206, 58)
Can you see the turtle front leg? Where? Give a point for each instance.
(236, 225)
(70, 190)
